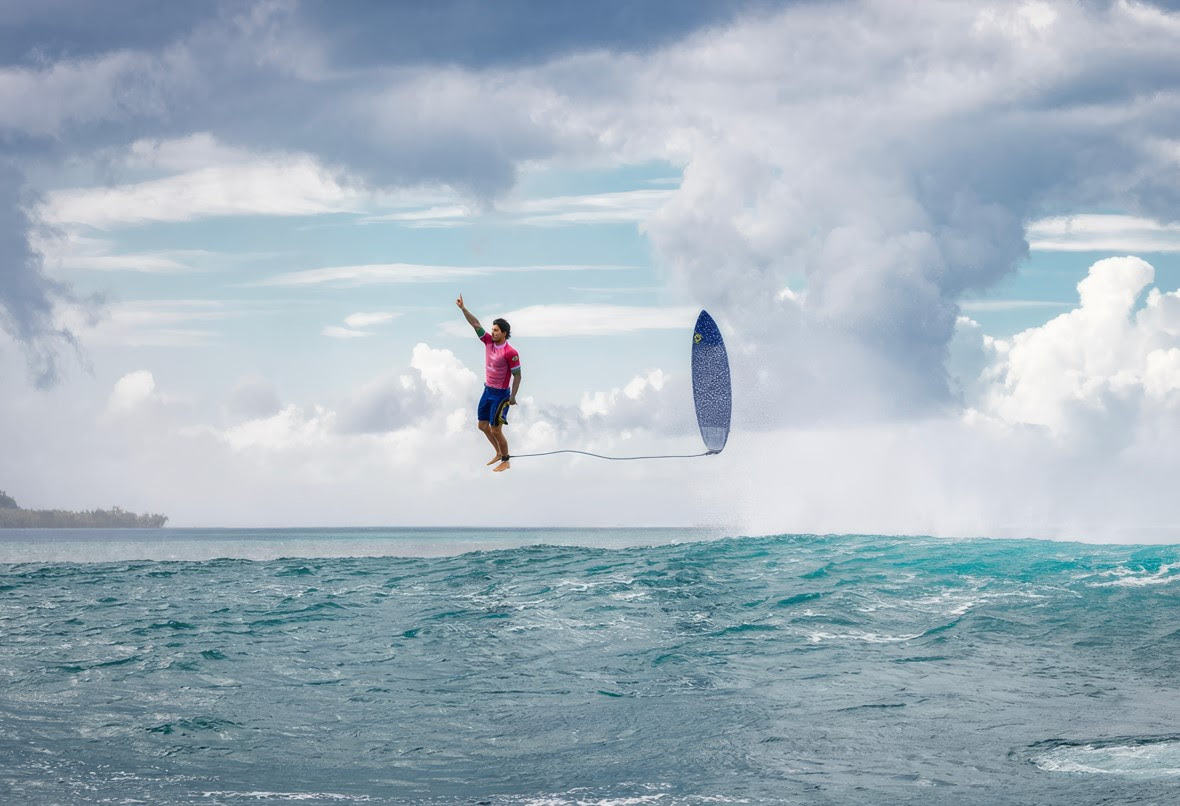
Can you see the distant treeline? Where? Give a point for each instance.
(13, 517)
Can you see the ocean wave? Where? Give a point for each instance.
(1149, 757)
(795, 669)
(1136, 577)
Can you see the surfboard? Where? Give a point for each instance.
(712, 392)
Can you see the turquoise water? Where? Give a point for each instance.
(592, 667)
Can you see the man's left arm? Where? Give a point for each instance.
(515, 386)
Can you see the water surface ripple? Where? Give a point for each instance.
(788, 669)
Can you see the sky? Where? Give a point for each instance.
(942, 242)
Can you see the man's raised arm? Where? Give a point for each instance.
(471, 320)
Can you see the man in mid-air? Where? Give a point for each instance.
(503, 362)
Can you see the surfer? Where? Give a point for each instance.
(503, 362)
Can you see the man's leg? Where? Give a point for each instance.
(497, 431)
(486, 427)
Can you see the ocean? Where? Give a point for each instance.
(605, 667)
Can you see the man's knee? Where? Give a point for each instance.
(484, 426)
(496, 429)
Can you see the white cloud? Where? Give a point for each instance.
(1010, 304)
(1026, 22)
(437, 217)
(1103, 233)
(394, 273)
(639, 388)
(254, 396)
(369, 319)
(355, 323)
(290, 428)
(1098, 370)
(385, 404)
(182, 155)
(151, 323)
(443, 373)
(336, 332)
(45, 100)
(68, 250)
(633, 206)
(269, 185)
(133, 392)
(374, 274)
(588, 319)
(146, 263)
(616, 290)
(437, 387)
(63, 250)
(621, 207)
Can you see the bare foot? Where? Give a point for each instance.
(495, 459)
(504, 466)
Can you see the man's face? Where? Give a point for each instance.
(498, 335)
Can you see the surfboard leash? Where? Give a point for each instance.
(617, 458)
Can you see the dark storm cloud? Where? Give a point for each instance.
(478, 34)
(471, 33)
(82, 76)
(310, 76)
(46, 31)
(26, 294)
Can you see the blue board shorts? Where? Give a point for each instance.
(493, 406)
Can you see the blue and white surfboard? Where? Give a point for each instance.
(711, 389)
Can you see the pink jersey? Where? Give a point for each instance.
(502, 361)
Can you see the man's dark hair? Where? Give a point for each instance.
(507, 328)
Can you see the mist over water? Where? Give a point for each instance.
(107, 545)
(571, 667)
